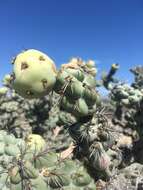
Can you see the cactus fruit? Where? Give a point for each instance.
(76, 84)
(3, 91)
(35, 142)
(34, 74)
(6, 80)
(44, 170)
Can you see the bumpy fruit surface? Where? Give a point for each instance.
(35, 142)
(34, 74)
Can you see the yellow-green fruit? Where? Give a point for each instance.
(34, 74)
(90, 64)
(12, 150)
(3, 91)
(90, 96)
(66, 105)
(35, 142)
(90, 81)
(46, 160)
(15, 175)
(78, 74)
(75, 90)
(30, 171)
(6, 80)
(39, 183)
(81, 108)
(62, 80)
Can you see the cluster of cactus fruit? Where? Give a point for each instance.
(76, 111)
(30, 164)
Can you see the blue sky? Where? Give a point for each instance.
(105, 30)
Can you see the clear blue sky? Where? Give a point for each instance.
(105, 30)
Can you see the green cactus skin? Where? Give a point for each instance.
(34, 74)
(45, 170)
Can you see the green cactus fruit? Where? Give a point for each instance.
(16, 186)
(89, 81)
(34, 74)
(66, 105)
(9, 139)
(12, 150)
(46, 160)
(78, 74)
(7, 79)
(81, 178)
(35, 143)
(35, 184)
(30, 171)
(69, 166)
(39, 184)
(90, 96)
(61, 80)
(14, 175)
(93, 71)
(75, 90)
(3, 91)
(81, 108)
(90, 64)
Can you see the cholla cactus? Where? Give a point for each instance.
(76, 86)
(22, 167)
(138, 74)
(126, 95)
(108, 78)
(129, 111)
(12, 117)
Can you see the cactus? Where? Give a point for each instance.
(76, 86)
(108, 78)
(138, 76)
(129, 103)
(22, 168)
(34, 74)
(84, 119)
